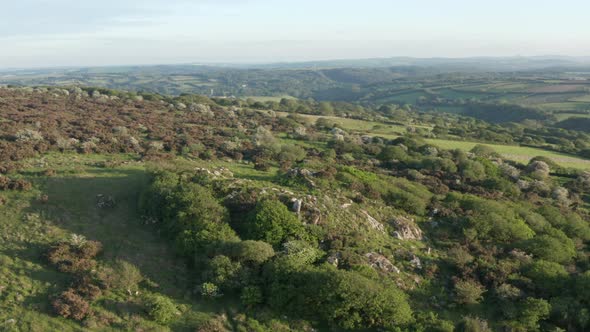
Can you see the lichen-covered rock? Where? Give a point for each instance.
(406, 229)
(381, 262)
(376, 225)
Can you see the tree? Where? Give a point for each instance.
(251, 252)
(532, 311)
(222, 271)
(547, 277)
(272, 222)
(195, 207)
(210, 235)
(351, 301)
(549, 248)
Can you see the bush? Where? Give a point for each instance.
(209, 290)
(558, 249)
(74, 258)
(547, 277)
(71, 305)
(469, 291)
(251, 296)
(474, 324)
(253, 252)
(273, 223)
(160, 308)
(222, 271)
(122, 276)
(353, 301)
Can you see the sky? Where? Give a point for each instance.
(46, 33)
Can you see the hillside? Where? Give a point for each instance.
(147, 212)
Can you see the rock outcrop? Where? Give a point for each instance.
(406, 229)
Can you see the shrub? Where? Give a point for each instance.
(559, 249)
(209, 290)
(272, 222)
(474, 324)
(160, 308)
(547, 277)
(71, 305)
(483, 151)
(351, 301)
(254, 252)
(122, 276)
(222, 271)
(73, 258)
(469, 291)
(251, 296)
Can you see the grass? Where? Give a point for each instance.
(27, 226)
(517, 153)
(565, 116)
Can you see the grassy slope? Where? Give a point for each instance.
(28, 226)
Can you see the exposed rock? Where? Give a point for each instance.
(333, 259)
(302, 174)
(297, 203)
(381, 262)
(373, 222)
(416, 262)
(104, 201)
(345, 205)
(218, 172)
(406, 229)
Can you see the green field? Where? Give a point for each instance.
(565, 116)
(517, 153)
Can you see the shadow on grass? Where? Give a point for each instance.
(72, 206)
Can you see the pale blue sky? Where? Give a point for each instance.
(38, 33)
